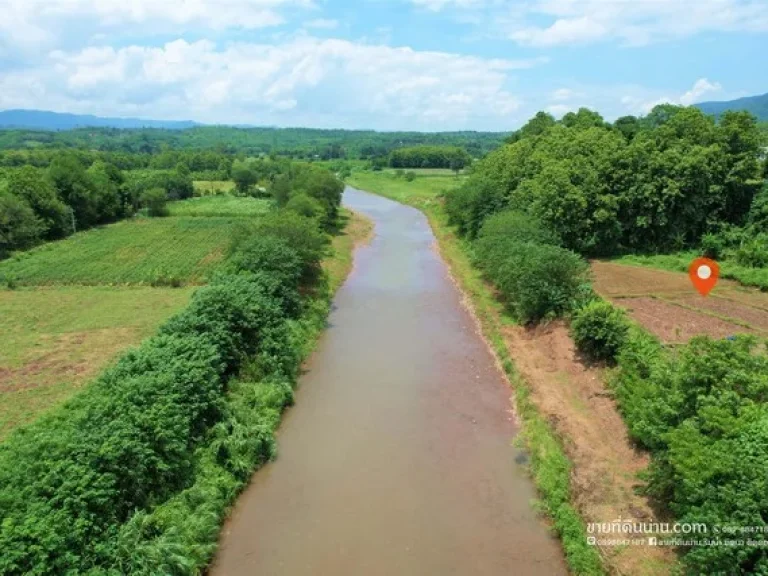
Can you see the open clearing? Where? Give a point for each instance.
(205, 187)
(665, 303)
(55, 339)
(137, 251)
(220, 206)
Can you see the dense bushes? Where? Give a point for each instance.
(135, 473)
(599, 330)
(701, 410)
(537, 280)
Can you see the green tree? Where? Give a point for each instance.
(75, 188)
(30, 184)
(105, 191)
(154, 200)
(244, 176)
(19, 227)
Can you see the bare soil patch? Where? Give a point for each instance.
(666, 304)
(618, 280)
(725, 308)
(676, 324)
(576, 402)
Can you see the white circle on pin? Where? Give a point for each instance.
(704, 272)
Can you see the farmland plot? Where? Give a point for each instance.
(140, 251)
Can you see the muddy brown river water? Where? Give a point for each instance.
(397, 458)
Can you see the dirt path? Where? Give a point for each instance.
(665, 303)
(577, 404)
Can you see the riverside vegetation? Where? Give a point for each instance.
(674, 180)
(135, 473)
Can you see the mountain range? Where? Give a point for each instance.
(44, 120)
(757, 105)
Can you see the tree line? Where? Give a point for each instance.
(430, 157)
(655, 183)
(297, 143)
(39, 204)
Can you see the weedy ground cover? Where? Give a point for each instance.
(220, 206)
(56, 339)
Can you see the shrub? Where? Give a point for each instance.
(754, 252)
(518, 227)
(599, 330)
(154, 200)
(537, 281)
(306, 206)
(302, 234)
(712, 246)
(702, 412)
(410, 176)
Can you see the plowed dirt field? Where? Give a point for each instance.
(667, 304)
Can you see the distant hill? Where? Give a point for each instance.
(42, 120)
(757, 105)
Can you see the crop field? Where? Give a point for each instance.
(220, 206)
(139, 251)
(757, 277)
(55, 339)
(665, 303)
(212, 187)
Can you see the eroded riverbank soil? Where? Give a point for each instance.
(398, 456)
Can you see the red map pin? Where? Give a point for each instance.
(704, 273)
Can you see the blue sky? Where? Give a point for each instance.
(382, 64)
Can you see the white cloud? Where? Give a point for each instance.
(437, 5)
(563, 94)
(559, 110)
(642, 104)
(322, 24)
(306, 81)
(697, 92)
(37, 24)
(543, 23)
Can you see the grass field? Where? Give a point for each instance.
(421, 192)
(55, 339)
(138, 251)
(220, 206)
(207, 187)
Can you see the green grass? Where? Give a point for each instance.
(220, 206)
(55, 339)
(550, 466)
(138, 251)
(426, 172)
(421, 192)
(679, 262)
(208, 187)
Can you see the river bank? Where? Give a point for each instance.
(583, 463)
(398, 455)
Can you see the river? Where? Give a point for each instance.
(397, 458)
